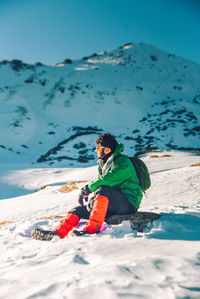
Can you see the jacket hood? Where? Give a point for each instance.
(119, 149)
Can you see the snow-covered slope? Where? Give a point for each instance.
(50, 118)
(52, 114)
(162, 263)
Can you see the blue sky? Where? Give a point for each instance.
(50, 31)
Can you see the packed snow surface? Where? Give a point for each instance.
(163, 262)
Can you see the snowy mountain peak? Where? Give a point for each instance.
(147, 97)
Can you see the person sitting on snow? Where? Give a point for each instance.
(115, 192)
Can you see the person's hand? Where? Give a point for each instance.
(83, 195)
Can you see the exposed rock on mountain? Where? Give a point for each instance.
(148, 98)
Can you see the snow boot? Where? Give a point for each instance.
(43, 235)
(79, 233)
(66, 225)
(97, 214)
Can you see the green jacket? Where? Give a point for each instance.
(119, 172)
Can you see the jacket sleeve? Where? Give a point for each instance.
(115, 176)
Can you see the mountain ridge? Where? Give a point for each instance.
(145, 96)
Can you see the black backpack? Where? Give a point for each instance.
(142, 173)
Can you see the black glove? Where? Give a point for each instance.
(83, 195)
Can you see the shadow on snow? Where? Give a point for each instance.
(185, 227)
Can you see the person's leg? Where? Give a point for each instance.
(97, 214)
(107, 202)
(71, 220)
(65, 226)
(118, 202)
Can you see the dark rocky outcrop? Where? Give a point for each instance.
(138, 221)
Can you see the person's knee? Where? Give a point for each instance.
(77, 211)
(103, 191)
(81, 212)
